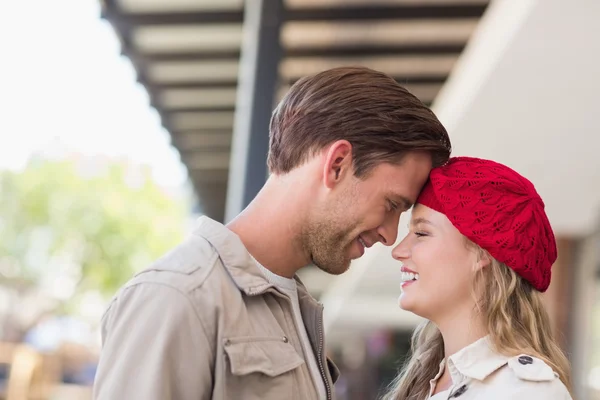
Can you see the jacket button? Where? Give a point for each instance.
(459, 392)
(525, 360)
(285, 339)
(227, 342)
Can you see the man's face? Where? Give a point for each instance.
(362, 212)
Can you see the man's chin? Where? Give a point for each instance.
(333, 269)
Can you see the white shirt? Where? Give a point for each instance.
(288, 286)
(440, 396)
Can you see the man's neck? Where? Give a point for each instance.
(270, 229)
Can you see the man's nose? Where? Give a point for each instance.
(388, 231)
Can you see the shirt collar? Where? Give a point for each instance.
(477, 361)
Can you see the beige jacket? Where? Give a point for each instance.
(478, 372)
(204, 323)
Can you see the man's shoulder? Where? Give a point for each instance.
(192, 272)
(191, 266)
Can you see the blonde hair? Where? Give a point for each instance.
(516, 322)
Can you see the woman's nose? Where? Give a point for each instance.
(402, 251)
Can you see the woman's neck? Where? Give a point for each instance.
(460, 329)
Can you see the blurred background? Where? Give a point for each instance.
(122, 121)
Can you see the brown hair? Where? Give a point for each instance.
(379, 117)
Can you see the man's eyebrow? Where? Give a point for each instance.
(420, 220)
(406, 203)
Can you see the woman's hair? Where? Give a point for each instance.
(515, 320)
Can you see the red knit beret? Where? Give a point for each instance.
(497, 209)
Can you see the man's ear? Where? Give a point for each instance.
(338, 163)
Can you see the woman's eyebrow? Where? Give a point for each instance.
(420, 220)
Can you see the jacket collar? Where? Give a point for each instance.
(234, 255)
(238, 262)
(476, 361)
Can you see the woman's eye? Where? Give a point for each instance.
(420, 234)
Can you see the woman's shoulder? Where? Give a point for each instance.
(527, 377)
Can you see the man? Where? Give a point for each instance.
(222, 316)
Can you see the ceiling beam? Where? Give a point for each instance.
(230, 84)
(120, 19)
(386, 12)
(199, 109)
(346, 13)
(212, 55)
(213, 84)
(324, 51)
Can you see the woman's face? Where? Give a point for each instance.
(438, 266)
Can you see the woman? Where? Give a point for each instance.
(475, 262)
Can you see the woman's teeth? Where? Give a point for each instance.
(409, 276)
(362, 242)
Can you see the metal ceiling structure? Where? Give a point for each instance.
(190, 55)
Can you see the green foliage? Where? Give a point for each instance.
(93, 226)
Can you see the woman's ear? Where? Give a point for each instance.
(484, 260)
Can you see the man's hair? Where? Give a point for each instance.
(369, 109)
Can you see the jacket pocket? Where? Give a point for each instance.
(261, 368)
(334, 371)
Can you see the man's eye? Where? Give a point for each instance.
(393, 206)
(420, 234)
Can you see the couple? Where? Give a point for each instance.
(223, 316)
